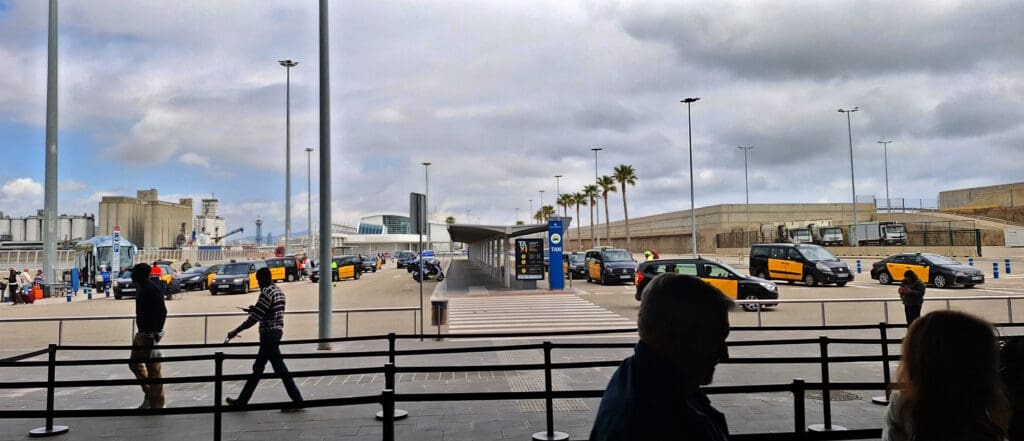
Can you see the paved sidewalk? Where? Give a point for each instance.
(468, 420)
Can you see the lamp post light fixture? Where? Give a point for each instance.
(885, 156)
(426, 198)
(288, 65)
(689, 131)
(558, 191)
(597, 234)
(309, 204)
(853, 182)
(746, 187)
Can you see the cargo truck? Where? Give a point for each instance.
(879, 233)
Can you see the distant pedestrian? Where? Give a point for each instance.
(655, 254)
(655, 393)
(39, 279)
(185, 266)
(948, 385)
(13, 286)
(25, 280)
(150, 315)
(648, 256)
(269, 312)
(912, 294)
(105, 275)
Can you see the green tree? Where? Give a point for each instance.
(607, 184)
(626, 175)
(547, 211)
(449, 220)
(579, 199)
(591, 193)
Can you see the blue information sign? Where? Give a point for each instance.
(557, 280)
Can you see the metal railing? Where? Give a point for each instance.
(206, 318)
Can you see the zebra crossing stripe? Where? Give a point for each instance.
(530, 313)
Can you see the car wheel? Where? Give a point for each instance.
(117, 296)
(213, 292)
(840, 284)
(202, 286)
(375, 270)
(809, 280)
(884, 278)
(751, 307)
(940, 281)
(357, 274)
(440, 277)
(246, 288)
(291, 277)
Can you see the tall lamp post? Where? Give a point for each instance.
(531, 209)
(426, 197)
(288, 65)
(541, 201)
(853, 183)
(689, 131)
(558, 191)
(885, 155)
(597, 234)
(746, 187)
(309, 203)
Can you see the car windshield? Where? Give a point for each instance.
(617, 256)
(406, 254)
(234, 268)
(127, 274)
(817, 254)
(936, 259)
(196, 270)
(576, 258)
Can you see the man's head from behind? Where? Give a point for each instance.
(140, 273)
(263, 277)
(686, 320)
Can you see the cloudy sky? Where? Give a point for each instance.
(187, 97)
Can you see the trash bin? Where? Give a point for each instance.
(53, 290)
(438, 312)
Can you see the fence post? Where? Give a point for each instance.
(799, 407)
(206, 327)
(550, 434)
(389, 379)
(886, 375)
(826, 393)
(60, 332)
(1009, 309)
(218, 392)
(51, 374)
(388, 403)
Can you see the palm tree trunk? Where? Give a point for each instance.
(607, 224)
(625, 212)
(593, 241)
(579, 229)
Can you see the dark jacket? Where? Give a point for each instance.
(646, 400)
(150, 311)
(916, 295)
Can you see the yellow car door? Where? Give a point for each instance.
(594, 269)
(347, 270)
(722, 279)
(785, 269)
(277, 271)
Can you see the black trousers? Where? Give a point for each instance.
(270, 350)
(912, 312)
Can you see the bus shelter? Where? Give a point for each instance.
(491, 245)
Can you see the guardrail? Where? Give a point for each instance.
(206, 318)
(389, 397)
(883, 300)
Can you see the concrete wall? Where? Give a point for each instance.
(879, 252)
(1006, 195)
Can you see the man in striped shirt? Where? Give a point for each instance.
(269, 312)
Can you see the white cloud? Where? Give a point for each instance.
(21, 197)
(195, 159)
(21, 188)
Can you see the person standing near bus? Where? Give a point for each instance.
(150, 315)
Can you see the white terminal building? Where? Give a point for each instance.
(391, 232)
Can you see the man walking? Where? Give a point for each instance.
(655, 393)
(150, 315)
(269, 312)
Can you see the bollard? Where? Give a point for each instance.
(387, 399)
(799, 406)
(51, 374)
(389, 383)
(858, 266)
(970, 261)
(1006, 264)
(69, 296)
(826, 393)
(88, 292)
(995, 270)
(549, 434)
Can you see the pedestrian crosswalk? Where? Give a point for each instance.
(529, 313)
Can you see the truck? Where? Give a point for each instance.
(879, 233)
(804, 231)
(825, 234)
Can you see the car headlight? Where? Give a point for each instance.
(609, 270)
(238, 280)
(959, 274)
(768, 285)
(823, 267)
(114, 284)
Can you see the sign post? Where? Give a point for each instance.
(418, 222)
(530, 261)
(115, 259)
(557, 281)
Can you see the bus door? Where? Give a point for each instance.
(720, 278)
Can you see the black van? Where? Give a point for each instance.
(283, 268)
(607, 264)
(811, 264)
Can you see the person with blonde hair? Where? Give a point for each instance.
(948, 386)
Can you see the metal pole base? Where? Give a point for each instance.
(823, 428)
(881, 400)
(42, 432)
(554, 436)
(399, 414)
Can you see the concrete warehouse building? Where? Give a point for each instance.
(145, 220)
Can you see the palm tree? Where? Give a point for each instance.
(591, 193)
(564, 201)
(449, 220)
(547, 211)
(625, 174)
(579, 199)
(607, 184)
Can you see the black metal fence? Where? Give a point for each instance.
(389, 396)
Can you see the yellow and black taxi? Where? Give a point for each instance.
(283, 269)
(727, 279)
(939, 271)
(807, 263)
(369, 263)
(607, 265)
(237, 277)
(348, 267)
(574, 265)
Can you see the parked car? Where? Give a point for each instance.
(720, 275)
(350, 266)
(402, 258)
(607, 264)
(574, 265)
(283, 269)
(939, 271)
(237, 277)
(195, 279)
(811, 264)
(369, 263)
(123, 286)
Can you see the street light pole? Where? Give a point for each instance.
(746, 187)
(853, 182)
(541, 201)
(309, 203)
(689, 131)
(426, 197)
(558, 192)
(531, 209)
(288, 65)
(324, 294)
(597, 234)
(885, 155)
